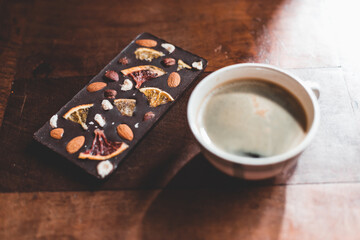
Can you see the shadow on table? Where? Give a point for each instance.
(203, 203)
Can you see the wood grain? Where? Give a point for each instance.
(50, 45)
(292, 212)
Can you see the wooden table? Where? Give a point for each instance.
(165, 189)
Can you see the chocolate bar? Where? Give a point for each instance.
(101, 124)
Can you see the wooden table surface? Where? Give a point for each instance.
(165, 189)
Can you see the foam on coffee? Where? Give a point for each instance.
(252, 117)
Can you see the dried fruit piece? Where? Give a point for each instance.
(100, 120)
(127, 85)
(156, 96)
(146, 42)
(75, 144)
(168, 47)
(96, 86)
(174, 79)
(125, 106)
(106, 105)
(125, 132)
(143, 73)
(102, 149)
(53, 121)
(112, 75)
(110, 93)
(104, 168)
(123, 61)
(148, 116)
(79, 114)
(169, 62)
(57, 133)
(198, 65)
(147, 54)
(182, 65)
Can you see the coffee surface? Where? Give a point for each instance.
(253, 118)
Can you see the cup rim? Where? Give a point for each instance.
(248, 160)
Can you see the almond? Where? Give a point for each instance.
(174, 79)
(75, 144)
(57, 133)
(125, 132)
(112, 75)
(146, 42)
(96, 86)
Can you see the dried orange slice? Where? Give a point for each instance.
(156, 96)
(79, 114)
(103, 149)
(143, 73)
(147, 54)
(125, 106)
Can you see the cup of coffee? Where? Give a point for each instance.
(253, 120)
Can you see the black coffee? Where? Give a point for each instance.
(253, 118)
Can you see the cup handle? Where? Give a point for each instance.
(315, 87)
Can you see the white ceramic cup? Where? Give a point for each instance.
(247, 167)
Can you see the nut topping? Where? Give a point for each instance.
(104, 168)
(174, 80)
(125, 132)
(169, 62)
(146, 42)
(112, 75)
(127, 85)
(168, 47)
(57, 133)
(96, 86)
(110, 93)
(100, 120)
(75, 144)
(198, 65)
(148, 116)
(53, 121)
(106, 105)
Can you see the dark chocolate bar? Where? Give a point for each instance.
(108, 117)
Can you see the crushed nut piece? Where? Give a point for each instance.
(168, 47)
(53, 121)
(127, 85)
(198, 65)
(104, 168)
(100, 120)
(91, 123)
(106, 105)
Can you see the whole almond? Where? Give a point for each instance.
(174, 79)
(57, 133)
(146, 42)
(75, 144)
(125, 132)
(96, 86)
(112, 75)
(169, 62)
